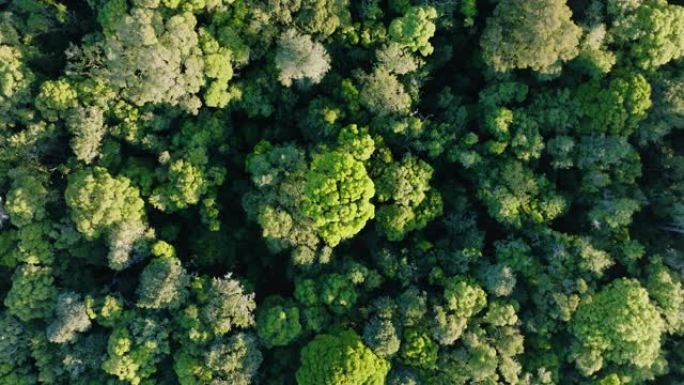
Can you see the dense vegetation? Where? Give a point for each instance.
(342, 192)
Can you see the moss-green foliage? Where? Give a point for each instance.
(99, 201)
(340, 359)
(277, 322)
(26, 197)
(418, 350)
(336, 192)
(414, 29)
(163, 283)
(617, 108)
(32, 294)
(412, 203)
(619, 326)
(662, 43)
(538, 34)
(101, 204)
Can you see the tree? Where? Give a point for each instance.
(383, 93)
(381, 336)
(55, 99)
(88, 129)
(26, 198)
(300, 58)
(513, 194)
(414, 30)
(133, 38)
(163, 284)
(666, 112)
(234, 362)
(226, 305)
(278, 175)
(134, 348)
(72, 318)
(33, 293)
(616, 109)
(337, 196)
(538, 34)
(347, 361)
(15, 81)
(666, 290)
(215, 344)
(101, 204)
(410, 201)
(323, 17)
(396, 60)
(464, 298)
(619, 326)
(337, 188)
(14, 352)
(664, 40)
(418, 349)
(277, 321)
(186, 183)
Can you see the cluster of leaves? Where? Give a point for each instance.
(335, 192)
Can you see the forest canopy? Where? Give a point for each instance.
(341, 192)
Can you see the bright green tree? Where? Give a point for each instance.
(340, 359)
(414, 30)
(338, 190)
(101, 204)
(619, 325)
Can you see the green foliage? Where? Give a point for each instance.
(337, 195)
(26, 197)
(383, 94)
(55, 99)
(513, 195)
(538, 34)
(340, 359)
(617, 109)
(101, 204)
(15, 81)
(665, 288)
(463, 298)
(418, 349)
(163, 283)
(277, 322)
(14, 352)
(88, 129)
(665, 38)
(134, 348)
(381, 336)
(335, 192)
(322, 16)
(226, 306)
(175, 77)
(278, 173)
(412, 204)
(414, 30)
(33, 293)
(618, 326)
(469, 11)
